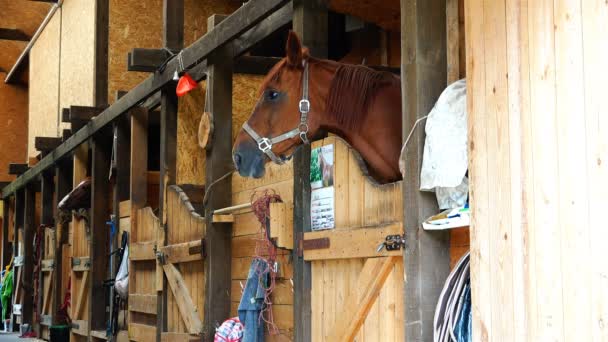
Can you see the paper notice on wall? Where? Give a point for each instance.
(322, 214)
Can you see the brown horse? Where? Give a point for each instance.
(361, 105)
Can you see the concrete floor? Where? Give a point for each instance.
(14, 337)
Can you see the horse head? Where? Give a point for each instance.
(278, 113)
(303, 96)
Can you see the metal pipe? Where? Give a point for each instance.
(29, 45)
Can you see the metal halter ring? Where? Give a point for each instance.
(304, 106)
(265, 145)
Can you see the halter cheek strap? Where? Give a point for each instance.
(265, 143)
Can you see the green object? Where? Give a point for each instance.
(59, 333)
(7, 292)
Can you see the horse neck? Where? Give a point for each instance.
(378, 138)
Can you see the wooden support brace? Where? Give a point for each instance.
(79, 116)
(185, 304)
(183, 252)
(361, 298)
(13, 34)
(66, 134)
(17, 169)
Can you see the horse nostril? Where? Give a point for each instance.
(237, 160)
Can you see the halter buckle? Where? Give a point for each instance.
(304, 106)
(265, 145)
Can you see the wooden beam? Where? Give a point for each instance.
(102, 31)
(310, 23)
(46, 144)
(218, 163)
(79, 116)
(63, 185)
(6, 252)
(13, 34)
(239, 33)
(185, 304)
(142, 303)
(65, 135)
(17, 169)
(146, 60)
(183, 252)
(173, 39)
(29, 230)
(100, 237)
(423, 68)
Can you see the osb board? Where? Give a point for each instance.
(14, 121)
(190, 157)
(77, 79)
(139, 24)
(23, 15)
(184, 225)
(44, 111)
(332, 280)
(384, 13)
(247, 234)
(132, 24)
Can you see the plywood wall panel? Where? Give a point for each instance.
(77, 79)
(44, 114)
(132, 24)
(14, 121)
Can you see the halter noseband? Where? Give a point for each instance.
(265, 143)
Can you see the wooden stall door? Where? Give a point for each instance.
(183, 264)
(357, 292)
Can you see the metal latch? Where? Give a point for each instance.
(392, 243)
(160, 256)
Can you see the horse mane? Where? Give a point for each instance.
(352, 91)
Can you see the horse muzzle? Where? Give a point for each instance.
(249, 160)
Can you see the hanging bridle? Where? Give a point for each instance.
(265, 143)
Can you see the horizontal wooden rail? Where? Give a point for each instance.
(238, 32)
(232, 209)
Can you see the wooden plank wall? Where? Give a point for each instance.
(359, 202)
(246, 232)
(537, 152)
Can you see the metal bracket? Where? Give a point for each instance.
(394, 242)
(160, 256)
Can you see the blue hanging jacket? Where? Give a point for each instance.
(252, 301)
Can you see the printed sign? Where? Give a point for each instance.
(322, 214)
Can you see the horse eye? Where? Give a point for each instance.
(272, 95)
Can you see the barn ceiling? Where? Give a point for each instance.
(18, 18)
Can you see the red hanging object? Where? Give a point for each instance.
(185, 85)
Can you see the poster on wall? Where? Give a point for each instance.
(322, 188)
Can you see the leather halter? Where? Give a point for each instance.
(265, 143)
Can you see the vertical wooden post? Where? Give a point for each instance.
(423, 77)
(19, 210)
(29, 229)
(6, 253)
(63, 186)
(100, 236)
(310, 23)
(173, 38)
(46, 218)
(218, 163)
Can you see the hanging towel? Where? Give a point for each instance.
(252, 302)
(7, 293)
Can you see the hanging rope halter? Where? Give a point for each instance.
(265, 143)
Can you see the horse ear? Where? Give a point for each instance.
(294, 50)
